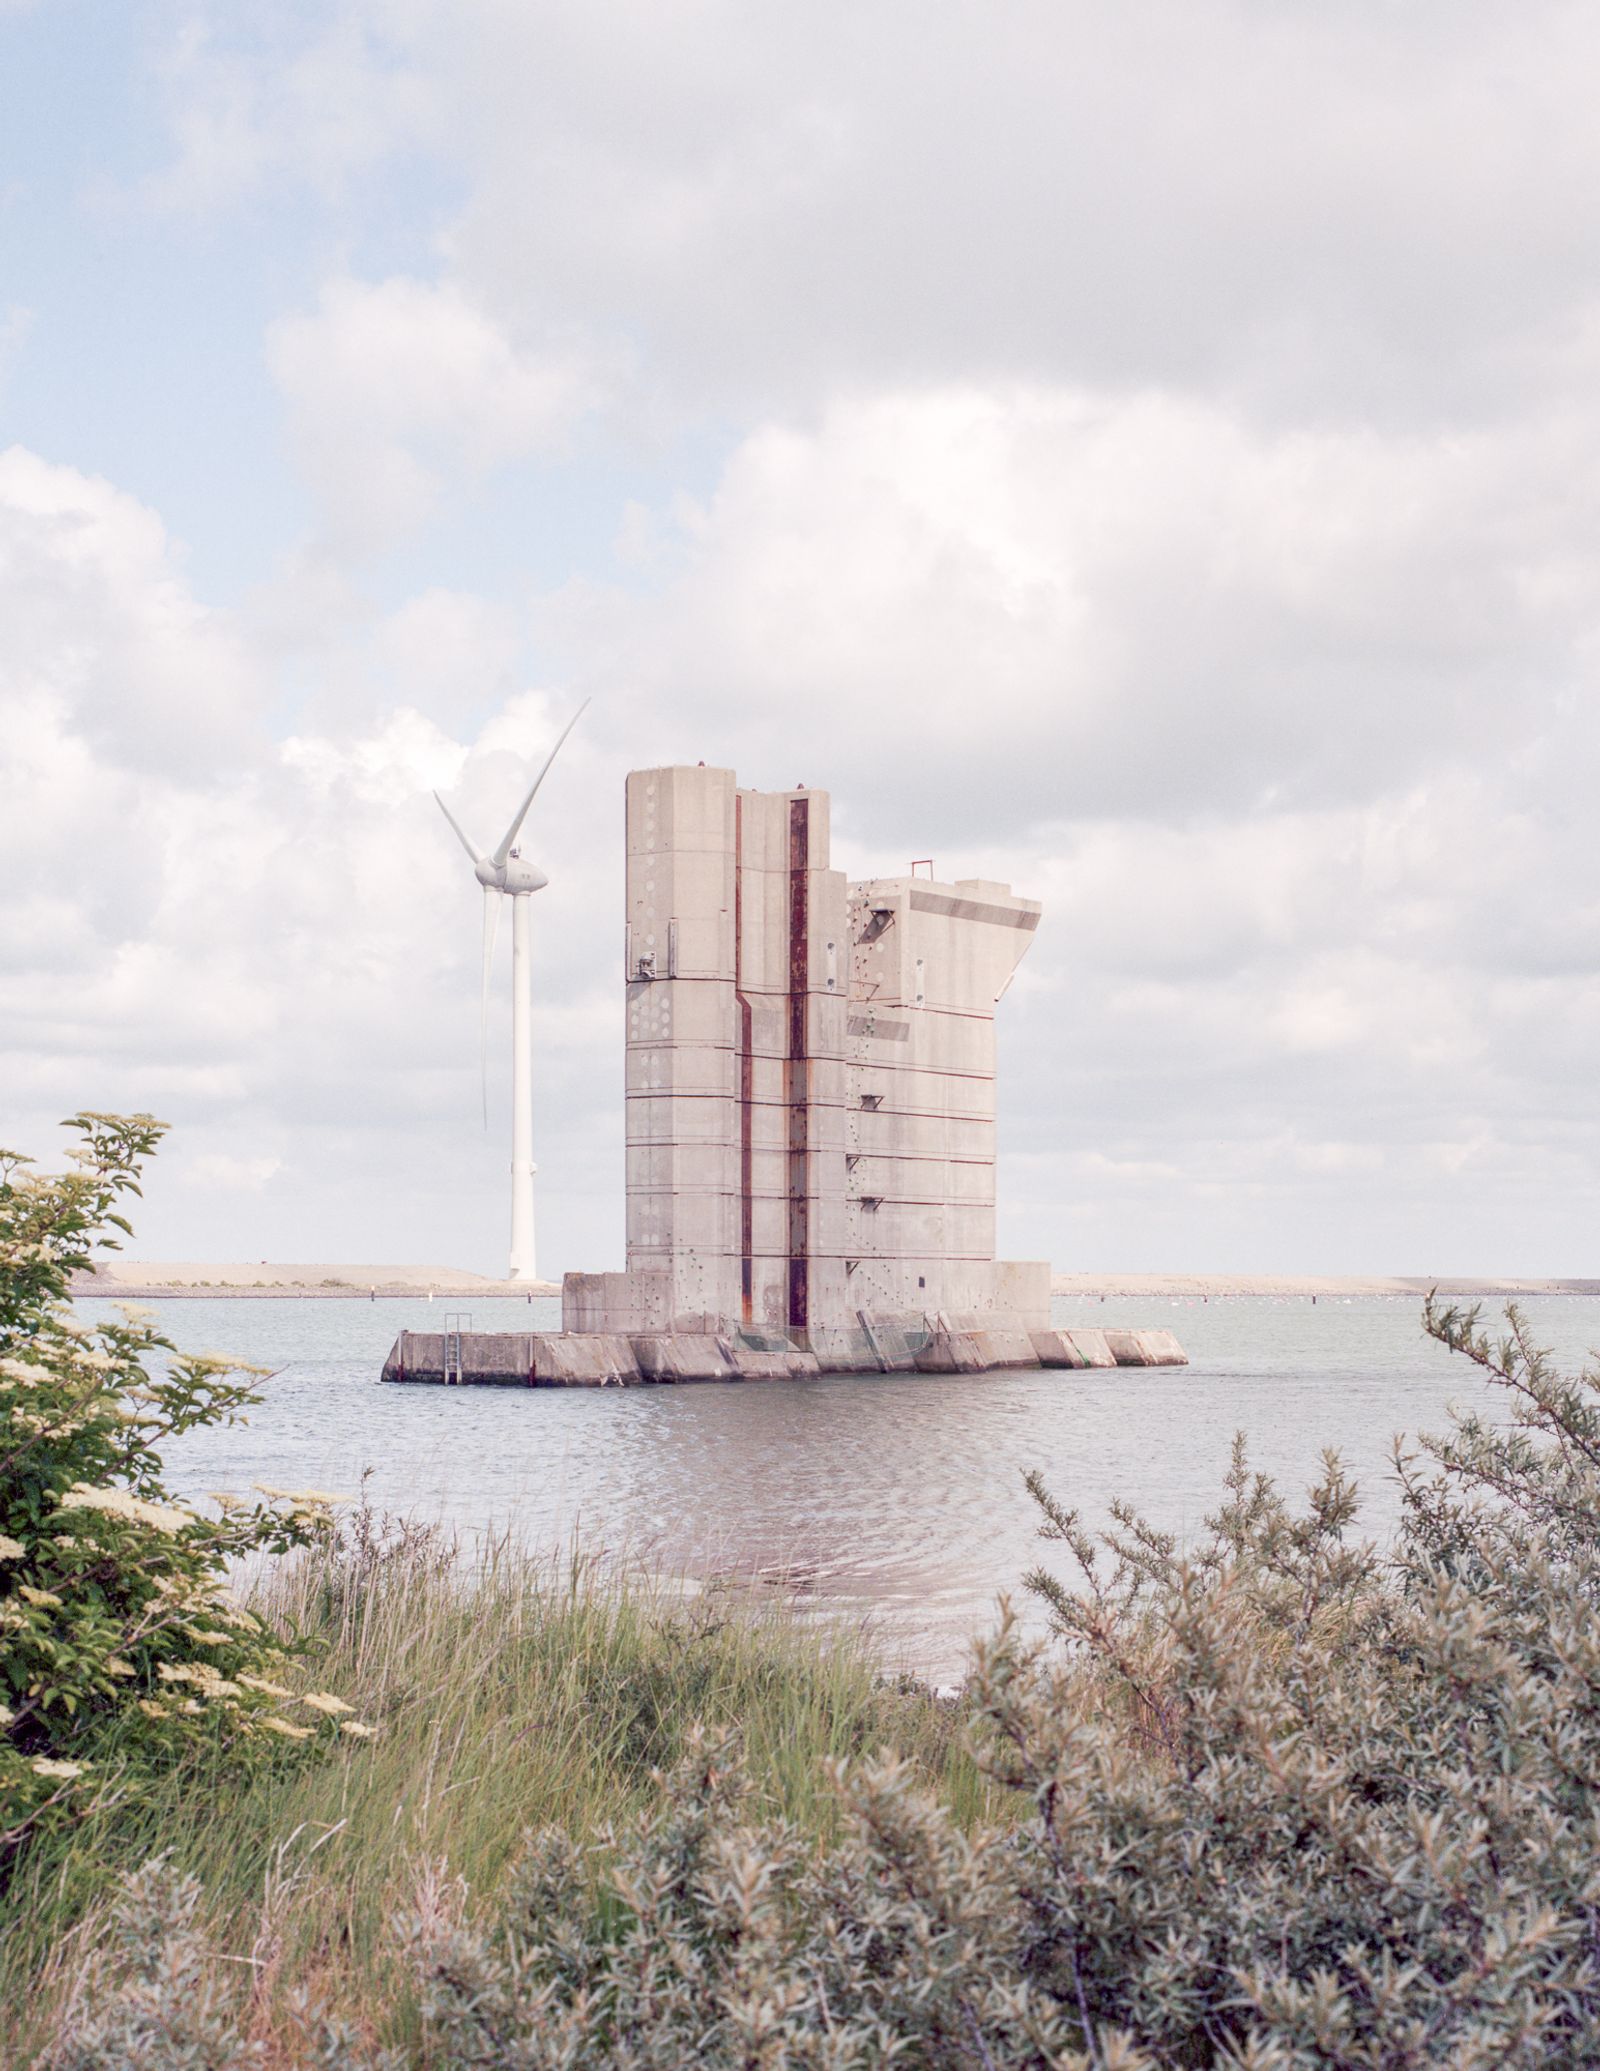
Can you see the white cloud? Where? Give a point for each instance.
(1058, 606)
(406, 755)
(1360, 211)
(1159, 468)
(1294, 942)
(1249, 1034)
(226, 1174)
(100, 621)
(276, 949)
(397, 388)
(282, 99)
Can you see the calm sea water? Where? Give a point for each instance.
(896, 1496)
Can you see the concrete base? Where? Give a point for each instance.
(879, 1344)
(559, 1361)
(1055, 1348)
(950, 1352)
(1161, 1348)
(684, 1358)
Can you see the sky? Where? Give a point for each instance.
(1146, 454)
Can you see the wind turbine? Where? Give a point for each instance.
(508, 875)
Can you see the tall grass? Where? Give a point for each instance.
(512, 1692)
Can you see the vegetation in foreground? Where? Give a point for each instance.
(508, 1693)
(1283, 1800)
(122, 1651)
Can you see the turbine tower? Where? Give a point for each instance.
(508, 875)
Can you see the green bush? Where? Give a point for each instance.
(121, 1649)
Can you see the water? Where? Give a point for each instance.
(895, 1496)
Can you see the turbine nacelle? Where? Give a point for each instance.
(513, 875)
(519, 876)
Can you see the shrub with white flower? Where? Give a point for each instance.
(119, 1644)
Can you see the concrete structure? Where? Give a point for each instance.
(557, 1359)
(810, 1087)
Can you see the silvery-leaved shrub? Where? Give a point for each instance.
(154, 1996)
(723, 1940)
(1284, 1802)
(120, 1647)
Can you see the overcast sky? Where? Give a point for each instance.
(1149, 453)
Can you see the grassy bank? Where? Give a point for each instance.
(512, 1695)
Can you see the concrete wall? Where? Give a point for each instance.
(929, 962)
(810, 1078)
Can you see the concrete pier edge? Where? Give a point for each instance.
(598, 1359)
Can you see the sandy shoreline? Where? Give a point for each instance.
(141, 1280)
(130, 1279)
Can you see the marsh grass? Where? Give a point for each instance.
(510, 1692)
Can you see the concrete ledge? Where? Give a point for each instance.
(598, 1359)
(683, 1357)
(587, 1360)
(1145, 1348)
(839, 1349)
(1002, 1350)
(493, 1358)
(774, 1366)
(950, 1352)
(501, 1357)
(415, 1355)
(1055, 1348)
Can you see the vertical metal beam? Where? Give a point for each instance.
(797, 1064)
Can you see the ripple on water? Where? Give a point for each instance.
(896, 1496)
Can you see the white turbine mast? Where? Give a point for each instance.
(508, 875)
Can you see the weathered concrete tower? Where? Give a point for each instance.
(810, 1084)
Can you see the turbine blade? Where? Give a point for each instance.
(504, 849)
(450, 816)
(491, 927)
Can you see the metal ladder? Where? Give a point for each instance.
(456, 1324)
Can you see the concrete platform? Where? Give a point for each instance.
(599, 1359)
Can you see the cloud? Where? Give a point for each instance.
(100, 622)
(275, 950)
(398, 388)
(1284, 1031)
(280, 101)
(232, 1175)
(1059, 606)
(1374, 213)
(1146, 456)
